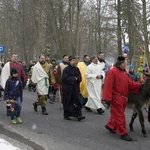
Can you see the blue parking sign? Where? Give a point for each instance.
(1, 49)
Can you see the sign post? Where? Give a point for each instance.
(1, 51)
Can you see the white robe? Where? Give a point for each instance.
(40, 77)
(94, 86)
(5, 74)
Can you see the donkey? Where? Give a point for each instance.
(137, 101)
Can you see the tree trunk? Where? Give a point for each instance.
(130, 30)
(145, 32)
(119, 28)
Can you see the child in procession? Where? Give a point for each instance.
(13, 96)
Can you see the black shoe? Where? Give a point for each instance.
(66, 118)
(35, 106)
(109, 129)
(126, 137)
(100, 110)
(80, 118)
(51, 101)
(88, 109)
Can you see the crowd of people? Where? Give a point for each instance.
(88, 84)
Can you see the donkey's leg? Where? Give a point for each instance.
(134, 115)
(141, 119)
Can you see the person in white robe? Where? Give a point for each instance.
(42, 77)
(5, 74)
(95, 76)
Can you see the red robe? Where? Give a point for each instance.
(21, 73)
(116, 89)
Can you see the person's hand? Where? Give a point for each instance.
(8, 101)
(32, 87)
(98, 77)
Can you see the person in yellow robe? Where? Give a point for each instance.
(83, 91)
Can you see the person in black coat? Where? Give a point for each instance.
(71, 79)
(13, 96)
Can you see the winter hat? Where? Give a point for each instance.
(54, 60)
(120, 58)
(13, 71)
(131, 67)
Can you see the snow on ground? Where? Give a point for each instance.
(4, 145)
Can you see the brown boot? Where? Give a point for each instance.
(35, 106)
(45, 113)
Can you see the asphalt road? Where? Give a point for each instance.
(52, 132)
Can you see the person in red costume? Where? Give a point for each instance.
(13, 63)
(116, 89)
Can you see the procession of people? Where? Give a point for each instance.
(87, 84)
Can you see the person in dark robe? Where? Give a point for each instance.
(71, 79)
(115, 92)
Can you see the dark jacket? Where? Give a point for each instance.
(134, 76)
(71, 79)
(13, 91)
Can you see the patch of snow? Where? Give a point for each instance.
(4, 145)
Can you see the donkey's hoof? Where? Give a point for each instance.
(145, 134)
